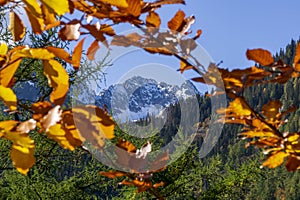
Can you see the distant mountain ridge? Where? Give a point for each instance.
(139, 96)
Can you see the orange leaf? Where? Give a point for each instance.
(292, 163)
(252, 134)
(112, 174)
(134, 7)
(184, 66)
(58, 79)
(92, 50)
(76, 56)
(118, 3)
(126, 145)
(153, 20)
(49, 18)
(160, 184)
(37, 23)
(261, 56)
(160, 50)
(60, 53)
(3, 2)
(275, 159)
(271, 109)
(107, 29)
(176, 22)
(57, 133)
(16, 26)
(297, 58)
(93, 125)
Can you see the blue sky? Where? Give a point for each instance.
(231, 26)
(229, 29)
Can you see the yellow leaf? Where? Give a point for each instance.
(6, 126)
(22, 160)
(3, 48)
(22, 152)
(261, 56)
(8, 97)
(59, 7)
(184, 66)
(34, 7)
(76, 56)
(153, 20)
(37, 23)
(93, 124)
(58, 134)
(275, 159)
(239, 107)
(16, 26)
(118, 3)
(35, 53)
(58, 79)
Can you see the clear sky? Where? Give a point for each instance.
(229, 28)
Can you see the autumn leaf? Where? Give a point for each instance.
(184, 67)
(252, 134)
(26, 126)
(59, 7)
(49, 18)
(34, 7)
(297, 58)
(16, 26)
(76, 56)
(118, 3)
(22, 152)
(134, 7)
(34, 53)
(60, 53)
(92, 50)
(8, 97)
(176, 22)
(40, 109)
(3, 49)
(57, 133)
(153, 20)
(3, 2)
(52, 117)
(126, 145)
(93, 125)
(275, 159)
(37, 23)
(58, 79)
(292, 163)
(271, 109)
(113, 174)
(239, 107)
(261, 56)
(70, 31)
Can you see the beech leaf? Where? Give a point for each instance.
(275, 159)
(16, 26)
(8, 97)
(261, 56)
(92, 50)
(58, 79)
(59, 7)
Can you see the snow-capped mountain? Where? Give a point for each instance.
(138, 96)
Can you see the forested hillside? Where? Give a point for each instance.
(230, 171)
